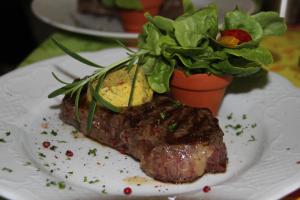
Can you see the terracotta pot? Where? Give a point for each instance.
(199, 90)
(133, 20)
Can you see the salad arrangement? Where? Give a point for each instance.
(193, 43)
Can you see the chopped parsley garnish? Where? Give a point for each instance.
(252, 139)
(177, 104)
(61, 185)
(239, 132)
(92, 152)
(2, 140)
(103, 191)
(172, 128)
(54, 133)
(70, 172)
(61, 141)
(27, 164)
(253, 125)
(85, 179)
(163, 115)
(7, 169)
(236, 127)
(42, 155)
(44, 132)
(7, 133)
(244, 116)
(106, 157)
(229, 117)
(53, 148)
(94, 181)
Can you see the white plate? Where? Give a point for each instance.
(63, 14)
(262, 169)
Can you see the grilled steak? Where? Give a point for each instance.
(174, 143)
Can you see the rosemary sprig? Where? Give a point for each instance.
(98, 77)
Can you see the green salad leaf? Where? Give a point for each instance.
(271, 23)
(260, 54)
(190, 29)
(188, 6)
(159, 78)
(238, 19)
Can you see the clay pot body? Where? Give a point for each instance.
(199, 90)
(133, 20)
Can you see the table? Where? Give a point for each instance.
(285, 50)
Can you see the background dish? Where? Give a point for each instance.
(262, 158)
(63, 14)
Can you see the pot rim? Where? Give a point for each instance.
(202, 82)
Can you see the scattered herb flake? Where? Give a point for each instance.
(236, 127)
(85, 179)
(61, 185)
(70, 172)
(106, 157)
(94, 181)
(253, 125)
(61, 141)
(252, 139)
(42, 155)
(53, 148)
(54, 133)
(103, 191)
(92, 152)
(177, 104)
(163, 115)
(229, 117)
(2, 140)
(7, 169)
(172, 127)
(27, 164)
(298, 162)
(44, 133)
(239, 132)
(7, 133)
(244, 116)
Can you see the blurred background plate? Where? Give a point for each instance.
(63, 14)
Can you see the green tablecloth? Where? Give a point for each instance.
(76, 42)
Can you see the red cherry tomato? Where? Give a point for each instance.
(241, 35)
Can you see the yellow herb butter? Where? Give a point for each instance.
(117, 86)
